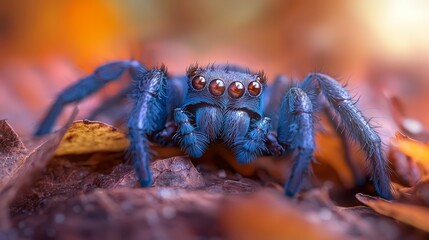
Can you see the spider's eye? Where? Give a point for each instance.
(199, 82)
(236, 90)
(217, 87)
(254, 88)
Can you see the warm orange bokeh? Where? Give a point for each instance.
(86, 32)
(46, 47)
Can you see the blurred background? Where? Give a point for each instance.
(380, 47)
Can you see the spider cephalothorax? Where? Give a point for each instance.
(234, 106)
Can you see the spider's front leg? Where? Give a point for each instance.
(356, 125)
(148, 117)
(296, 131)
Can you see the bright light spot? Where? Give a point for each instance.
(400, 27)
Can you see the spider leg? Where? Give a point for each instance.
(252, 145)
(148, 116)
(295, 130)
(85, 87)
(356, 125)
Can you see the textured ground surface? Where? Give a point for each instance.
(91, 193)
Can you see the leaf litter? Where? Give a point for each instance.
(22, 166)
(84, 188)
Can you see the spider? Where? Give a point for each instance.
(233, 105)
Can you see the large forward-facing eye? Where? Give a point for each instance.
(236, 90)
(217, 87)
(254, 88)
(199, 82)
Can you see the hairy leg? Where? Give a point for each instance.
(356, 125)
(148, 115)
(86, 86)
(295, 132)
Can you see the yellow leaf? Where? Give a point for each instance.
(88, 137)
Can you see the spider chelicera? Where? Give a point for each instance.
(232, 105)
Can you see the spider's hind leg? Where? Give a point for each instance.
(85, 87)
(356, 125)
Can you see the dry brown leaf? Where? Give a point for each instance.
(88, 137)
(27, 166)
(413, 215)
(12, 151)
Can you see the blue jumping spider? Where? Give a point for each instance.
(232, 105)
